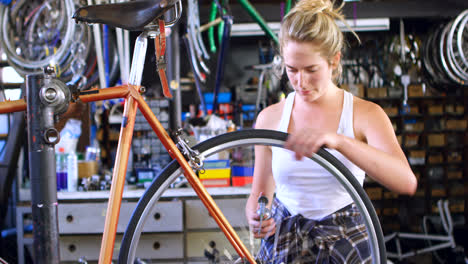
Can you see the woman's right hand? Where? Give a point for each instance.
(268, 226)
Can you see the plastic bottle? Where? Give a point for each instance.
(61, 169)
(72, 172)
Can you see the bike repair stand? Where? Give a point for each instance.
(46, 98)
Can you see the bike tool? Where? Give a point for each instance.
(263, 211)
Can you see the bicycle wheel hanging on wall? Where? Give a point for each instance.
(36, 34)
(445, 59)
(237, 139)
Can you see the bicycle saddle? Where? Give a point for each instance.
(129, 15)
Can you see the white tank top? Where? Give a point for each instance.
(304, 186)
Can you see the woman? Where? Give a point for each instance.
(314, 219)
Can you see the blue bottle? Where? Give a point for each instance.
(61, 169)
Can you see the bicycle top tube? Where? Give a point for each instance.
(87, 96)
(129, 15)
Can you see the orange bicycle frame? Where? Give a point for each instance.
(133, 100)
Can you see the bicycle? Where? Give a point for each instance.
(186, 160)
(434, 241)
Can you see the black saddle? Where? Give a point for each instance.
(129, 15)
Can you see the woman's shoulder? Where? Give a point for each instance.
(270, 117)
(369, 115)
(364, 108)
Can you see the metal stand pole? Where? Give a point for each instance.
(46, 96)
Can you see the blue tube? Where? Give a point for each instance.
(220, 64)
(5, 2)
(105, 44)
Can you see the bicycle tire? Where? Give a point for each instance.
(251, 137)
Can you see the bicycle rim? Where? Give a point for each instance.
(252, 137)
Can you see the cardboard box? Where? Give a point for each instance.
(415, 90)
(454, 156)
(390, 211)
(414, 126)
(414, 110)
(391, 111)
(400, 139)
(435, 109)
(390, 195)
(435, 158)
(380, 92)
(411, 140)
(374, 193)
(436, 140)
(457, 207)
(417, 157)
(456, 124)
(356, 89)
(455, 109)
(454, 175)
(438, 192)
(87, 169)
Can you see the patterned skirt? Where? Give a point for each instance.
(338, 238)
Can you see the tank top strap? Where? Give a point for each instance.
(346, 121)
(287, 109)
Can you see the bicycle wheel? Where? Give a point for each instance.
(242, 138)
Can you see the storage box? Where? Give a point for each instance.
(456, 124)
(390, 195)
(356, 89)
(391, 111)
(413, 126)
(242, 171)
(455, 109)
(411, 140)
(415, 90)
(436, 140)
(380, 92)
(87, 169)
(435, 109)
(223, 97)
(417, 157)
(414, 110)
(390, 211)
(454, 156)
(226, 182)
(215, 169)
(435, 158)
(241, 180)
(374, 193)
(215, 174)
(454, 175)
(400, 139)
(438, 192)
(457, 206)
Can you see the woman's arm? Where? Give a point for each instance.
(263, 182)
(380, 155)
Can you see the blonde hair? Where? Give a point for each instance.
(315, 21)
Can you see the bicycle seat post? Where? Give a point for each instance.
(132, 101)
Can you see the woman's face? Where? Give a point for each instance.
(310, 74)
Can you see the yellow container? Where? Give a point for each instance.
(224, 173)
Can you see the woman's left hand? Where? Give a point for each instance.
(306, 142)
